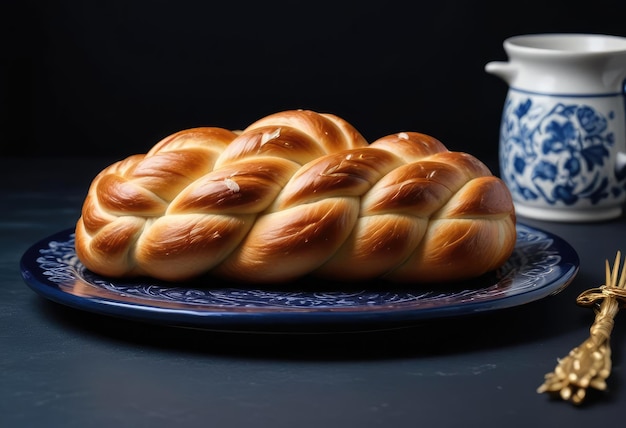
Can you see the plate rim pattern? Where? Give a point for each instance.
(542, 264)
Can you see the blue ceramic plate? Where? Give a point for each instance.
(542, 264)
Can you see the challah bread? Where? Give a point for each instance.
(296, 193)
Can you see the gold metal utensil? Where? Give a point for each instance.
(589, 365)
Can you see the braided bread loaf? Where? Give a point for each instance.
(296, 193)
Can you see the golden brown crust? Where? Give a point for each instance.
(296, 193)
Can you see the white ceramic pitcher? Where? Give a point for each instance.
(562, 146)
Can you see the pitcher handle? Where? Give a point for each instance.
(620, 159)
(620, 165)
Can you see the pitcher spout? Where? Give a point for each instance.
(505, 70)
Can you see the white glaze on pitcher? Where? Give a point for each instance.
(563, 131)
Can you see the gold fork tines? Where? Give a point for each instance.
(589, 365)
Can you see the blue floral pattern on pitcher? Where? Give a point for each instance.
(556, 154)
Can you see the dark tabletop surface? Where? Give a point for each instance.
(64, 367)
